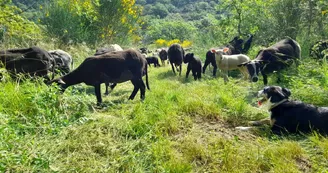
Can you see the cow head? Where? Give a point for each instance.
(254, 67)
(220, 52)
(59, 81)
(188, 57)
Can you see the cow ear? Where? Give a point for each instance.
(192, 54)
(213, 51)
(225, 50)
(243, 64)
(286, 92)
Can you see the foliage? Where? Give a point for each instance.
(91, 21)
(14, 28)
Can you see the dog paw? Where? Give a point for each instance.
(243, 128)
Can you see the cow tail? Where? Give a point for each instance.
(147, 83)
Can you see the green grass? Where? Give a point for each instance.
(182, 126)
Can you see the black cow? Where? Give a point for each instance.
(176, 54)
(194, 65)
(32, 61)
(163, 56)
(153, 60)
(112, 67)
(274, 58)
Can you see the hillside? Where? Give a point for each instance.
(188, 10)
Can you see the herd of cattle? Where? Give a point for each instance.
(112, 65)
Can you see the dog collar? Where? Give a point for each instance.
(277, 104)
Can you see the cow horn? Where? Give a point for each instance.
(60, 81)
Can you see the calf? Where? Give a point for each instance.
(163, 55)
(32, 61)
(235, 46)
(230, 62)
(112, 67)
(153, 60)
(210, 59)
(290, 116)
(274, 58)
(64, 61)
(194, 65)
(176, 54)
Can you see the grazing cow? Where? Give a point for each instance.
(153, 60)
(319, 50)
(194, 64)
(290, 116)
(64, 60)
(113, 67)
(176, 54)
(110, 48)
(33, 61)
(235, 47)
(163, 55)
(230, 62)
(274, 58)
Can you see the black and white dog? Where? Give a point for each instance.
(290, 116)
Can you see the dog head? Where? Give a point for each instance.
(271, 96)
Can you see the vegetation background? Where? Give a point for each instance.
(183, 125)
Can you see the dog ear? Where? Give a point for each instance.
(286, 92)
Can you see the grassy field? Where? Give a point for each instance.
(182, 126)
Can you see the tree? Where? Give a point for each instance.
(14, 27)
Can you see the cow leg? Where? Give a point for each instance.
(199, 74)
(142, 89)
(265, 79)
(225, 76)
(215, 67)
(107, 85)
(244, 72)
(136, 85)
(279, 77)
(188, 71)
(98, 94)
(173, 68)
(180, 69)
(194, 74)
(207, 62)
